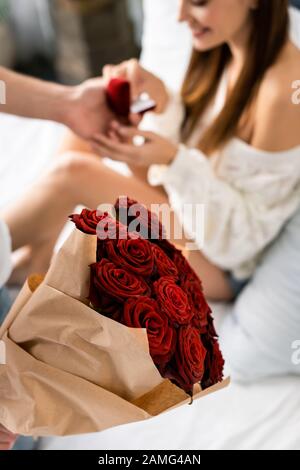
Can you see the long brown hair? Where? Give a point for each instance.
(270, 23)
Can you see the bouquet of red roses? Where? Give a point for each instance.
(118, 331)
(145, 282)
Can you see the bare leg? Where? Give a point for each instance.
(73, 143)
(215, 283)
(84, 179)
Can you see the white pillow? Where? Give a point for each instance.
(261, 337)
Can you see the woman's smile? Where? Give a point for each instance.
(199, 32)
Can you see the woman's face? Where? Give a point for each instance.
(214, 22)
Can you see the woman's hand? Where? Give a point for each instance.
(141, 81)
(123, 145)
(7, 438)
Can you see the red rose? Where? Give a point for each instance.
(110, 229)
(134, 255)
(182, 338)
(100, 224)
(214, 362)
(168, 248)
(211, 331)
(116, 282)
(198, 303)
(145, 222)
(144, 312)
(87, 221)
(173, 301)
(163, 264)
(186, 272)
(102, 303)
(191, 284)
(124, 202)
(187, 367)
(118, 96)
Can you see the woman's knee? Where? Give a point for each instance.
(74, 169)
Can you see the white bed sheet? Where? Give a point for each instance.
(27, 147)
(260, 416)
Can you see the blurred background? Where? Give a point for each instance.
(68, 40)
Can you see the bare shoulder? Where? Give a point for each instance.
(277, 116)
(278, 80)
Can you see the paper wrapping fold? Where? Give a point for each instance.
(70, 370)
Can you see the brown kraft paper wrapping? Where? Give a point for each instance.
(70, 370)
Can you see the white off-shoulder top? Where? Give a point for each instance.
(248, 194)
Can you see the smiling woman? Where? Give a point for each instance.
(234, 30)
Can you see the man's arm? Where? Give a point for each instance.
(83, 108)
(30, 97)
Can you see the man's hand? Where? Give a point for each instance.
(87, 112)
(83, 108)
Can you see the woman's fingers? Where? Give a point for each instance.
(114, 136)
(113, 155)
(115, 71)
(130, 70)
(129, 132)
(123, 149)
(104, 152)
(115, 150)
(112, 71)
